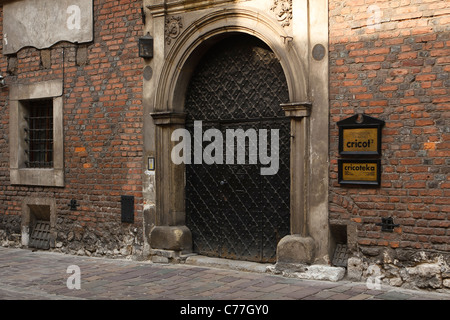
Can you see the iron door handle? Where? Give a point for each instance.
(223, 182)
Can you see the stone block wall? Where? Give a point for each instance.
(102, 112)
(391, 60)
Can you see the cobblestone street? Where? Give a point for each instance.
(27, 275)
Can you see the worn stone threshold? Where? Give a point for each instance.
(199, 260)
(312, 272)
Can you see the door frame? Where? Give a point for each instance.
(308, 109)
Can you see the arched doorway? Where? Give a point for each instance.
(232, 209)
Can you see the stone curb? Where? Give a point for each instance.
(227, 264)
(313, 272)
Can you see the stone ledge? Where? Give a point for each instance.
(313, 272)
(168, 256)
(227, 264)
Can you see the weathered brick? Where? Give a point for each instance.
(405, 80)
(92, 126)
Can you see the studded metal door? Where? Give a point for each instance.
(232, 210)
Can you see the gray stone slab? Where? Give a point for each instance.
(27, 23)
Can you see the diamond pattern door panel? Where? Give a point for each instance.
(242, 215)
(275, 194)
(232, 210)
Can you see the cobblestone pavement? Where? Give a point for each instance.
(27, 275)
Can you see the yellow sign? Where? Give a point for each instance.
(359, 171)
(360, 140)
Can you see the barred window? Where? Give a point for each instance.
(36, 129)
(39, 133)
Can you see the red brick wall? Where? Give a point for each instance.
(102, 129)
(397, 71)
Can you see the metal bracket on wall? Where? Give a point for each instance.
(143, 15)
(73, 205)
(387, 224)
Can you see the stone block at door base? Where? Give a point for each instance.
(177, 238)
(295, 249)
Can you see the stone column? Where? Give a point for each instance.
(298, 247)
(170, 231)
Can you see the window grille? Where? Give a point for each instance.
(40, 237)
(39, 133)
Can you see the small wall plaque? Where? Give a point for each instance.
(360, 135)
(359, 172)
(151, 164)
(318, 52)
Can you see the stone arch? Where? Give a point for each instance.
(200, 35)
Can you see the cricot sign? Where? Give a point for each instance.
(360, 140)
(359, 137)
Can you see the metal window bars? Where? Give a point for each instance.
(39, 134)
(40, 236)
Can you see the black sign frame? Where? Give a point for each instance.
(341, 180)
(360, 121)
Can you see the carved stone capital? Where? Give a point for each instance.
(168, 118)
(297, 109)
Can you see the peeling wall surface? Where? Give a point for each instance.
(42, 23)
(385, 59)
